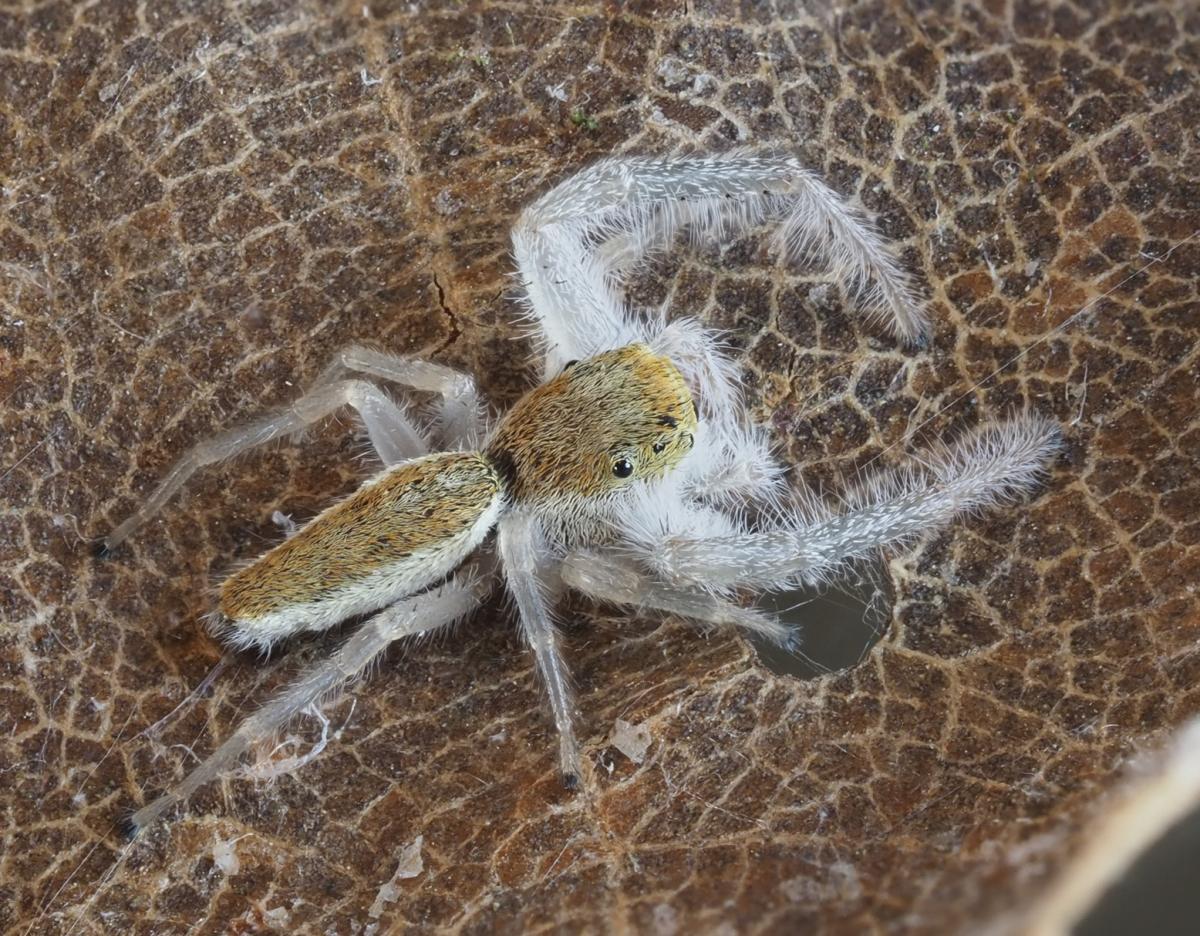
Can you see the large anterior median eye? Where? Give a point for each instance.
(622, 467)
(658, 447)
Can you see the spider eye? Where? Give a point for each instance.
(657, 447)
(622, 467)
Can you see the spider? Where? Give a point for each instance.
(633, 472)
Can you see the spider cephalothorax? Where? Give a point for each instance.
(632, 473)
(600, 425)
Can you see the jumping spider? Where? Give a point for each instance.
(632, 473)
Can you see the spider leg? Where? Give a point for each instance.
(461, 417)
(988, 466)
(619, 580)
(392, 434)
(423, 613)
(568, 296)
(527, 561)
(576, 244)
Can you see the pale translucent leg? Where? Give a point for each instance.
(423, 613)
(987, 467)
(392, 434)
(461, 417)
(619, 580)
(527, 559)
(576, 243)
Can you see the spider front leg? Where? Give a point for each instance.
(528, 562)
(987, 467)
(577, 243)
(392, 434)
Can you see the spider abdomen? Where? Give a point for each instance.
(405, 528)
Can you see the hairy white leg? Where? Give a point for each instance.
(433, 609)
(568, 298)
(461, 417)
(988, 466)
(620, 210)
(619, 580)
(527, 561)
(392, 434)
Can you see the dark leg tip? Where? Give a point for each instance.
(920, 341)
(570, 781)
(100, 549)
(128, 829)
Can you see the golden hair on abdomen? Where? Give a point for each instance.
(599, 425)
(407, 512)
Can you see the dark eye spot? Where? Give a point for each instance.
(669, 421)
(658, 447)
(570, 364)
(622, 467)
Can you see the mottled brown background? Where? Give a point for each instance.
(201, 202)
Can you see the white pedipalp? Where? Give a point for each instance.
(735, 465)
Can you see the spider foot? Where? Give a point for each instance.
(920, 341)
(127, 828)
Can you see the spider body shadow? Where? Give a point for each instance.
(632, 473)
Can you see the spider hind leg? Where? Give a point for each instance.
(391, 432)
(431, 610)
